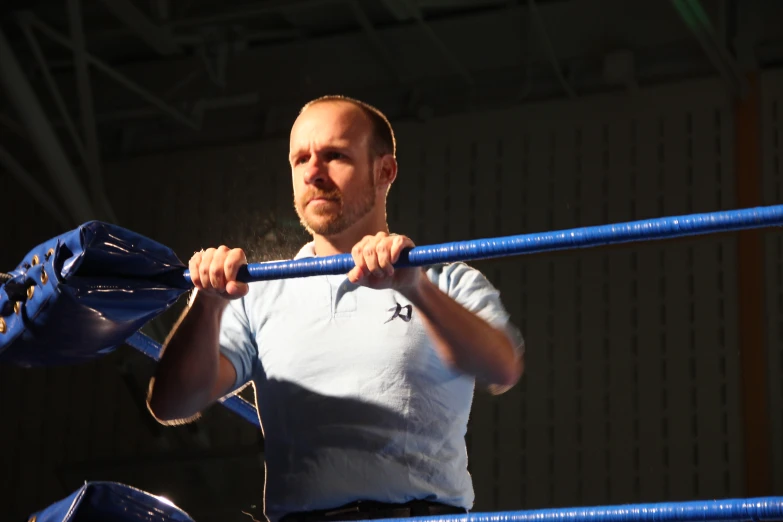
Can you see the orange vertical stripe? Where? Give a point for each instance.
(750, 281)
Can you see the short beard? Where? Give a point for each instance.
(346, 216)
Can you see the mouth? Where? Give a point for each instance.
(320, 200)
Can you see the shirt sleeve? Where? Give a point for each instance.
(470, 288)
(237, 342)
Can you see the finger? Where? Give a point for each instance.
(383, 252)
(193, 265)
(355, 275)
(360, 270)
(371, 259)
(235, 259)
(217, 275)
(399, 244)
(203, 267)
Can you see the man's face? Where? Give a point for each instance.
(332, 168)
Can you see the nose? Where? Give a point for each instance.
(314, 171)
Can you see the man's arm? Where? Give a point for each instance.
(192, 373)
(461, 337)
(465, 340)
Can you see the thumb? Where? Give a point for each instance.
(235, 289)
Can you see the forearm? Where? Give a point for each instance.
(464, 339)
(187, 374)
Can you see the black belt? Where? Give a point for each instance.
(367, 510)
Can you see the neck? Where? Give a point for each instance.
(344, 242)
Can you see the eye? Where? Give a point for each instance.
(334, 155)
(301, 159)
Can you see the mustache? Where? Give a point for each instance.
(325, 194)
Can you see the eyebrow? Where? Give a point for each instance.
(340, 145)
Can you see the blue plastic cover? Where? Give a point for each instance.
(111, 502)
(81, 294)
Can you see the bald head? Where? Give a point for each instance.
(382, 140)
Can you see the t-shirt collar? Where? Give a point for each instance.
(307, 251)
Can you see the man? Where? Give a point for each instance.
(364, 382)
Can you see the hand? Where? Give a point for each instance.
(214, 272)
(374, 257)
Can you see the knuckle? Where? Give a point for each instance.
(235, 257)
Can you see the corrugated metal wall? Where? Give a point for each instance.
(632, 387)
(772, 132)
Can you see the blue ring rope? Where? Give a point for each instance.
(757, 509)
(585, 237)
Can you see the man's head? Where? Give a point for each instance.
(342, 156)
(383, 140)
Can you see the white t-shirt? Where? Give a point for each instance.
(354, 402)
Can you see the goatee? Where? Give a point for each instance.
(329, 221)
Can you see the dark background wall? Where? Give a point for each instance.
(646, 362)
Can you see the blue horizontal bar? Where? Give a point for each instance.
(585, 237)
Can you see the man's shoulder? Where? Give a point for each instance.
(452, 272)
(458, 277)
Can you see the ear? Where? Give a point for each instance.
(388, 170)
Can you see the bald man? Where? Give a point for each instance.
(364, 381)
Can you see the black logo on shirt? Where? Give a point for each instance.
(403, 312)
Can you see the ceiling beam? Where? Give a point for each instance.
(30, 19)
(84, 87)
(462, 4)
(697, 21)
(11, 124)
(39, 193)
(41, 133)
(375, 40)
(247, 13)
(411, 8)
(156, 37)
(59, 101)
(399, 11)
(550, 49)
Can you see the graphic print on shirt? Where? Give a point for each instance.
(403, 312)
